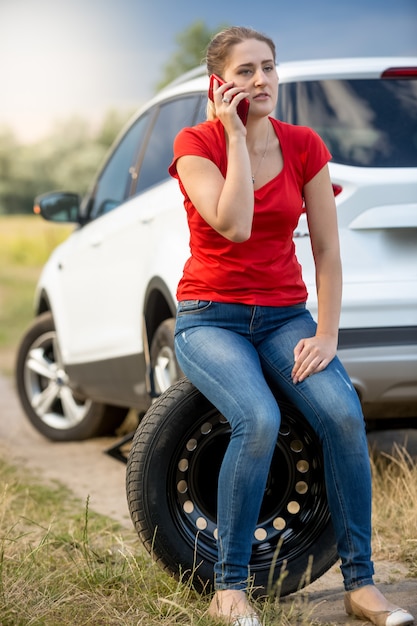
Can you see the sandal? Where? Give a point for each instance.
(393, 617)
(246, 620)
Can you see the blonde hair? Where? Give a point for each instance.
(219, 48)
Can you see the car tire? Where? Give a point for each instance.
(171, 484)
(164, 364)
(45, 392)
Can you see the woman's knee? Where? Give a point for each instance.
(335, 400)
(344, 423)
(258, 424)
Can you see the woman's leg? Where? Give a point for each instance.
(225, 367)
(330, 403)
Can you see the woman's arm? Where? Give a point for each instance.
(314, 354)
(227, 204)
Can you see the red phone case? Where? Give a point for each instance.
(242, 107)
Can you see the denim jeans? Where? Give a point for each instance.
(229, 351)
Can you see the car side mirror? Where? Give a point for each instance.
(58, 206)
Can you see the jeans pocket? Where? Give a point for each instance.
(192, 306)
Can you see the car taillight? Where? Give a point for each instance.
(337, 189)
(400, 72)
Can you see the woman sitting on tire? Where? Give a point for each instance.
(242, 320)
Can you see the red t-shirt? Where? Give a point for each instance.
(264, 269)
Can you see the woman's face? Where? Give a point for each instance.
(251, 66)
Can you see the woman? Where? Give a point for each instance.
(242, 318)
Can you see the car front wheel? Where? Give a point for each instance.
(45, 391)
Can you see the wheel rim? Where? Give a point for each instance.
(165, 369)
(47, 386)
(294, 511)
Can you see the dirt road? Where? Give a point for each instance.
(85, 469)
(81, 466)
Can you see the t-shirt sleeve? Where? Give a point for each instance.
(315, 156)
(189, 141)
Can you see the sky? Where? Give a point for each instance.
(60, 58)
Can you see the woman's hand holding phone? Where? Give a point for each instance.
(242, 107)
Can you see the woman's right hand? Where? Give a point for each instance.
(226, 98)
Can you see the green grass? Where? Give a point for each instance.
(63, 564)
(28, 240)
(25, 244)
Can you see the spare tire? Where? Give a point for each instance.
(171, 482)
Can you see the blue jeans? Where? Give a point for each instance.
(228, 351)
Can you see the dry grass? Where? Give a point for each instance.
(25, 244)
(395, 508)
(62, 564)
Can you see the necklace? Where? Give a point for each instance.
(263, 156)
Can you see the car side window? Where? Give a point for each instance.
(172, 116)
(201, 115)
(115, 180)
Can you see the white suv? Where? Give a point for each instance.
(102, 339)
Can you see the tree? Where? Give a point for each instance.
(69, 157)
(192, 44)
(66, 159)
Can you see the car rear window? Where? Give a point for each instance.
(366, 122)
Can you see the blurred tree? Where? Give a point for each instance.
(112, 123)
(13, 187)
(67, 159)
(192, 44)
(70, 156)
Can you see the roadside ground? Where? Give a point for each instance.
(88, 472)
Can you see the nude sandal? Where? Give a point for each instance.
(395, 617)
(246, 620)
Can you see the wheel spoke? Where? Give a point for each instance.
(73, 412)
(57, 353)
(42, 402)
(38, 364)
(162, 373)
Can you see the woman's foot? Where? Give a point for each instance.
(232, 606)
(368, 603)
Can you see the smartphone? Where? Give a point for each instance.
(242, 107)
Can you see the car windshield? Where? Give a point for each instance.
(364, 122)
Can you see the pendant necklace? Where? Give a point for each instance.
(263, 156)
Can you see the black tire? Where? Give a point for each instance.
(45, 392)
(164, 364)
(171, 484)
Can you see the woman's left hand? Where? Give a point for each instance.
(312, 355)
